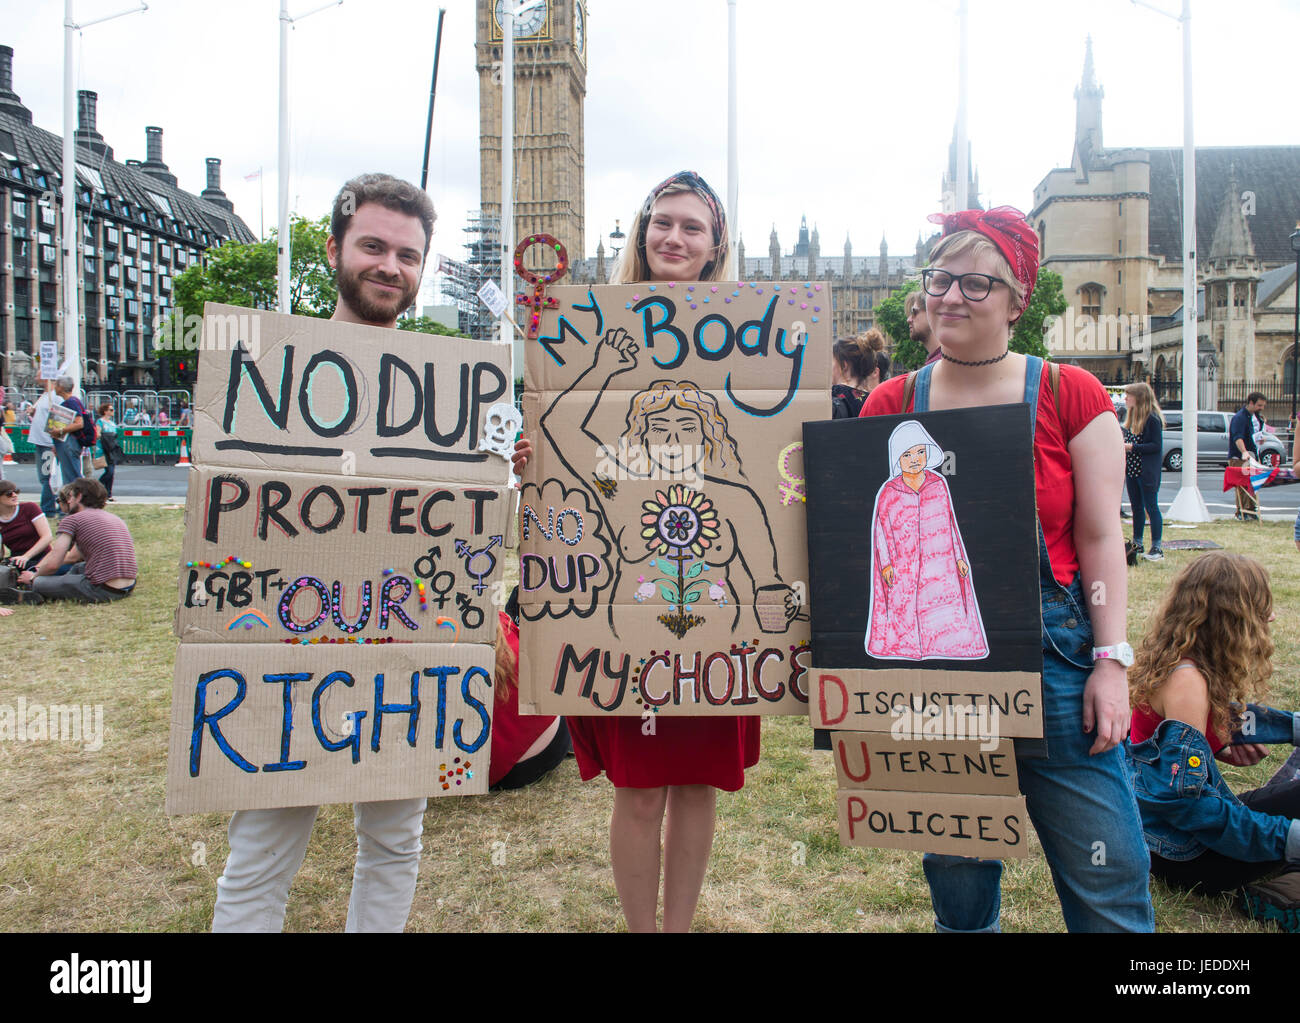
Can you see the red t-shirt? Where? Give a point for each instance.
(18, 533)
(1083, 399)
(1145, 722)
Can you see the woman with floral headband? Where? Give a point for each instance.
(666, 782)
(1076, 787)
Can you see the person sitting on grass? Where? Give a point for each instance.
(103, 563)
(1205, 655)
(24, 529)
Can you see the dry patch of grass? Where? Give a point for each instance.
(85, 846)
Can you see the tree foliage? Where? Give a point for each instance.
(428, 325)
(1047, 301)
(892, 319)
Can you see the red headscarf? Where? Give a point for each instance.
(1006, 228)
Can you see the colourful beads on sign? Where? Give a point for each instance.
(232, 560)
(539, 300)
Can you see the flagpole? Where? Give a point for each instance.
(735, 271)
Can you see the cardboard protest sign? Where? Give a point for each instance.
(924, 584)
(984, 765)
(988, 827)
(341, 565)
(339, 559)
(868, 700)
(301, 394)
(264, 726)
(663, 553)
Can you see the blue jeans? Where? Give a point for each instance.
(1145, 505)
(1082, 807)
(44, 465)
(68, 452)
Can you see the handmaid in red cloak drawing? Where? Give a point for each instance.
(923, 603)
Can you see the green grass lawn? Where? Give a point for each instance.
(85, 846)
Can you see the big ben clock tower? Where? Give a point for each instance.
(550, 87)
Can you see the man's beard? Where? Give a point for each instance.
(351, 291)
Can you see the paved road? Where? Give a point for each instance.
(133, 483)
(166, 484)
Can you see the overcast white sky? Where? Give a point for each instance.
(846, 109)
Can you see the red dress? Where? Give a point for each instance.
(682, 751)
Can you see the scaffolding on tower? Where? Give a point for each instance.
(461, 280)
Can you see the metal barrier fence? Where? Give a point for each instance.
(141, 445)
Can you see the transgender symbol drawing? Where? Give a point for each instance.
(923, 604)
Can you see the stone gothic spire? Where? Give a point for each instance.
(774, 254)
(1231, 234)
(1087, 117)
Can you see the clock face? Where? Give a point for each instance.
(527, 24)
(579, 28)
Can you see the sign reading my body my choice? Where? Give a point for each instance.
(663, 554)
(341, 566)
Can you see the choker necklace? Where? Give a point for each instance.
(982, 362)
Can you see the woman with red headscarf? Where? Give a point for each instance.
(980, 279)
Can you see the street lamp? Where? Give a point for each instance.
(616, 238)
(1295, 347)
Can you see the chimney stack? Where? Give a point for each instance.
(87, 137)
(153, 164)
(9, 102)
(213, 192)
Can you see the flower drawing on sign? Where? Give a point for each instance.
(682, 519)
(678, 527)
(923, 604)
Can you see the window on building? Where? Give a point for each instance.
(48, 254)
(1119, 276)
(146, 281)
(20, 210)
(133, 310)
(1121, 207)
(47, 214)
(164, 284)
(132, 275)
(130, 242)
(111, 236)
(114, 273)
(89, 264)
(164, 253)
(49, 295)
(1090, 300)
(146, 247)
(91, 176)
(1121, 245)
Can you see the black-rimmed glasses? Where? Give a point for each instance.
(975, 287)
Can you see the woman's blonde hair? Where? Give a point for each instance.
(633, 267)
(1144, 407)
(1215, 614)
(961, 243)
(720, 451)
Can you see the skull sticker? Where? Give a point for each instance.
(500, 429)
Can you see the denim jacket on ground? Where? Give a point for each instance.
(1186, 805)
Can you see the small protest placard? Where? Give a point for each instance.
(49, 360)
(492, 297)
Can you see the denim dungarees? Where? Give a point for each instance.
(1082, 806)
